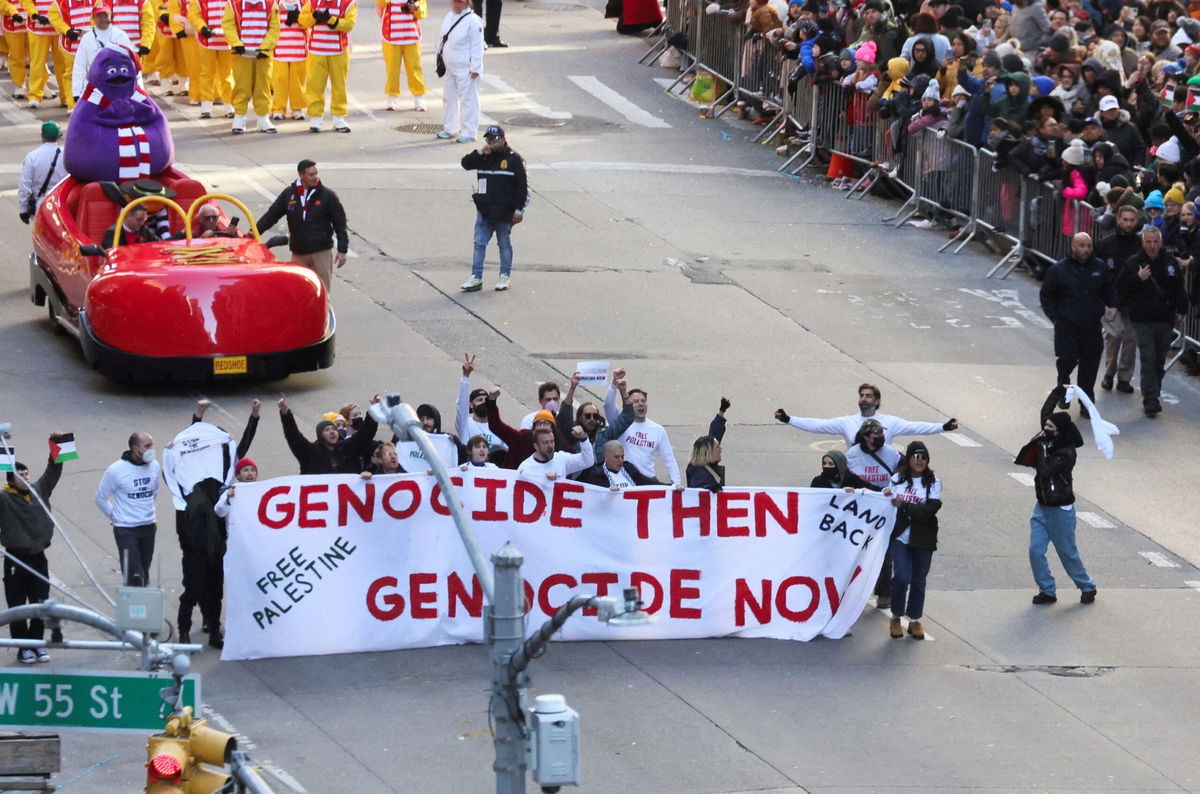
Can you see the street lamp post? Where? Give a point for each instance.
(504, 618)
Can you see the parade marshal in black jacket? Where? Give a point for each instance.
(1150, 289)
(502, 191)
(314, 216)
(1077, 294)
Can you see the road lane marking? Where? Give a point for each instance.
(1158, 559)
(618, 102)
(1095, 519)
(1022, 477)
(583, 165)
(1193, 584)
(17, 115)
(366, 111)
(256, 187)
(961, 440)
(522, 98)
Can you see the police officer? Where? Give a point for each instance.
(501, 193)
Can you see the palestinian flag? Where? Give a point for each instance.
(8, 457)
(63, 448)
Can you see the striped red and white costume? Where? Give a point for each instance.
(133, 145)
(132, 16)
(328, 56)
(76, 14)
(401, 30)
(289, 68)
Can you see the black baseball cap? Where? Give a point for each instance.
(494, 131)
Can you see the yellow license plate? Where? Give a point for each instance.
(229, 365)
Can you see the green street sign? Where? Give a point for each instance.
(89, 700)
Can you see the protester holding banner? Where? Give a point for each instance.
(26, 529)
(126, 497)
(645, 438)
(875, 462)
(477, 455)
(613, 472)
(1052, 453)
(521, 442)
(385, 460)
(555, 465)
(550, 399)
(329, 453)
(247, 471)
(917, 494)
(704, 470)
(835, 473)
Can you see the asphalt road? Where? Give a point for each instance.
(678, 251)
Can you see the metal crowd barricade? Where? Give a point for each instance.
(717, 49)
(944, 183)
(799, 107)
(906, 171)
(674, 21)
(1044, 225)
(1188, 334)
(1000, 209)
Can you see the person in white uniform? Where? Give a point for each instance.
(41, 170)
(461, 49)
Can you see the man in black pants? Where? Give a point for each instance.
(1076, 294)
(491, 21)
(25, 531)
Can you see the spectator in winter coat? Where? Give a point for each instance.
(1076, 185)
(924, 25)
(1121, 133)
(1037, 154)
(1015, 102)
(976, 117)
(1030, 25)
(1109, 163)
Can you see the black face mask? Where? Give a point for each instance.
(830, 472)
(875, 444)
(356, 422)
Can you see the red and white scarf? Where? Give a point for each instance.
(133, 145)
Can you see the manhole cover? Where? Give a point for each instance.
(417, 128)
(534, 121)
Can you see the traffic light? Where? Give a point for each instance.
(185, 758)
(168, 759)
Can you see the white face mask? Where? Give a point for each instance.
(148, 455)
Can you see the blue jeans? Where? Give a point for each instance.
(1055, 525)
(910, 569)
(484, 229)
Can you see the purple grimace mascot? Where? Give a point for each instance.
(116, 132)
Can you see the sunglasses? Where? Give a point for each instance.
(921, 455)
(591, 416)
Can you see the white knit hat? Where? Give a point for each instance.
(1168, 150)
(1074, 154)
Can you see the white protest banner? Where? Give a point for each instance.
(592, 373)
(338, 564)
(412, 459)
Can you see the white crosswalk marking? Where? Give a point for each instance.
(521, 98)
(1094, 519)
(617, 102)
(1022, 477)
(961, 440)
(1158, 559)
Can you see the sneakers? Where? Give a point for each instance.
(393, 103)
(217, 639)
(444, 135)
(276, 117)
(916, 630)
(895, 630)
(464, 139)
(1087, 597)
(1152, 406)
(419, 104)
(300, 115)
(206, 110)
(1124, 387)
(43, 655)
(185, 638)
(26, 656)
(1107, 383)
(883, 602)
(314, 125)
(502, 284)
(1044, 598)
(239, 125)
(340, 125)
(473, 284)
(265, 125)
(34, 104)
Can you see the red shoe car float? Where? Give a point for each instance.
(189, 309)
(179, 309)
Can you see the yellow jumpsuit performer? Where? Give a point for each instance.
(400, 22)
(16, 36)
(43, 48)
(330, 23)
(189, 43)
(215, 61)
(71, 19)
(252, 29)
(166, 54)
(289, 64)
